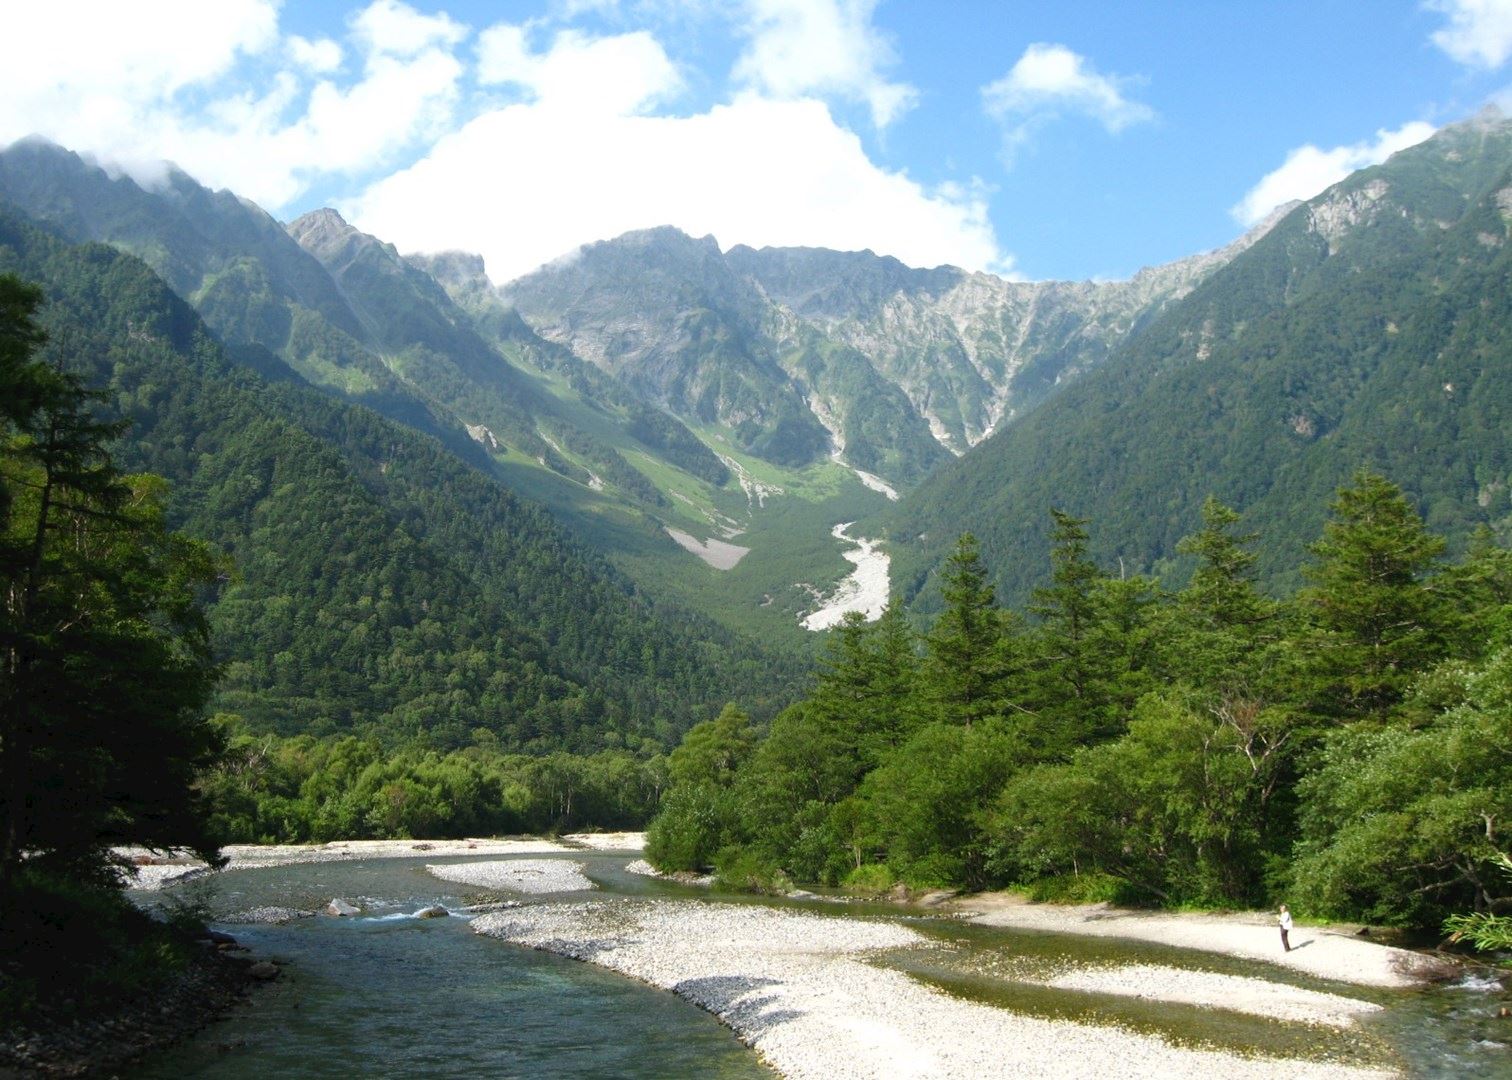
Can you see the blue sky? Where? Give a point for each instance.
(1045, 140)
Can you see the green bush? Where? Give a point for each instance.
(744, 870)
(1084, 889)
(871, 879)
(689, 830)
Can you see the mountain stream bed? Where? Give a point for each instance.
(386, 994)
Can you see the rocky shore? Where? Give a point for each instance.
(66, 1042)
(154, 871)
(1320, 951)
(531, 876)
(798, 988)
(1236, 993)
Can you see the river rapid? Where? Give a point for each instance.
(387, 994)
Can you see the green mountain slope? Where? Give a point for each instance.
(1371, 326)
(249, 281)
(704, 419)
(379, 583)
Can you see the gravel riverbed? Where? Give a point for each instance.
(797, 987)
(535, 876)
(1318, 951)
(172, 870)
(1236, 993)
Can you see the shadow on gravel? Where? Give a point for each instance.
(753, 1012)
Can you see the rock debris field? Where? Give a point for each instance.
(797, 988)
(534, 876)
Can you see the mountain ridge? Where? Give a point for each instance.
(1369, 327)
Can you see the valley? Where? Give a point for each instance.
(1097, 604)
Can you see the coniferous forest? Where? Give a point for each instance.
(1344, 749)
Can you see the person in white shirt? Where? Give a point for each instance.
(1286, 925)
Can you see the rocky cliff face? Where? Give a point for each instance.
(897, 365)
(969, 350)
(668, 316)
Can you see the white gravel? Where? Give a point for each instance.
(1234, 992)
(1253, 936)
(161, 875)
(536, 876)
(682, 877)
(796, 987)
(866, 589)
(256, 856)
(608, 841)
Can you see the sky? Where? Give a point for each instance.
(1076, 139)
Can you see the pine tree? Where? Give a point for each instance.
(105, 661)
(1377, 618)
(1221, 622)
(968, 653)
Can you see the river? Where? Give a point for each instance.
(385, 994)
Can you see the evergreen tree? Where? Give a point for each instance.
(1378, 620)
(865, 692)
(1222, 634)
(105, 661)
(1087, 653)
(968, 652)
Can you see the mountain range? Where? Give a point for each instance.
(704, 418)
(1370, 327)
(670, 402)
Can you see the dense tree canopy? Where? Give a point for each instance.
(1346, 750)
(105, 662)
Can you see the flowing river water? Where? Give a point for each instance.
(388, 995)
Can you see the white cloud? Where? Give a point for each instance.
(1479, 33)
(827, 48)
(321, 57)
(1051, 79)
(1308, 170)
(521, 188)
(169, 80)
(559, 151)
(621, 74)
(393, 28)
(91, 87)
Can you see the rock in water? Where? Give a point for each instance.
(263, 971)
(435, 911)
(342, 907)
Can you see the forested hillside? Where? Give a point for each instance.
(1344, 749)
(374, 582)
(1370, 327)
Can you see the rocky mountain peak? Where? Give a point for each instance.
(455, 270)
(319, 227)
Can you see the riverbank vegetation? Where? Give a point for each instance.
(1344, 749)
(268, 789)
(105, 668)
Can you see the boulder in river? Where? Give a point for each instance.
(435, 911)
(263, 971)
(342, 907)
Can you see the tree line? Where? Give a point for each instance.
(271, 789)
(1345, 749)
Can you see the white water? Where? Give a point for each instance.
(864, 590)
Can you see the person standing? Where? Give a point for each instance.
(1286, 925)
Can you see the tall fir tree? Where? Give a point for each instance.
(1377, 617)
(969, 653)
(105, 662)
